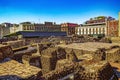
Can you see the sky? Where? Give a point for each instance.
(59, 11)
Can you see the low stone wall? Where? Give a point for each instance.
(15, 44)
(113, 55)
(104, 73)
(109, 52)
(18, 55)
(80, 72)
(5, 52)
(99, 55)
(60, 73)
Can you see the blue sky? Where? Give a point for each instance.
(59, 11)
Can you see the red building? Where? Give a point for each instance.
(112, 28)
(69, 28)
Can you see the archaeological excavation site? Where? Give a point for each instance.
(59, 58)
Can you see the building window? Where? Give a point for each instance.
(99, 30)
(93, 31)
(103, 30)
(90, 31)
(96, 30)
(86, 31)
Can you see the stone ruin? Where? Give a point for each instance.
(95, 51)
(15, 44)
(77, 61)
(13, 70)
(5, 52)
(83, 71)
(49, 58)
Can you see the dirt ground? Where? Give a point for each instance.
(116, 67)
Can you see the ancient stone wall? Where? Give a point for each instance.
(79, 72)
(99, 55)
(104, 73)
(60, 73)
(18, 54)
(35, 61)
(48, 60)
(113, 55)
(5, 52)
(15, 44)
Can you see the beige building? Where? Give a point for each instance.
(91, 30)
(26, 27)
(22, 27)
(14, 28)
(5, 29)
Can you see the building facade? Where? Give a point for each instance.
(69, 28)
(100, 25)
(5, 29)
(48, 27)
(91, 30)
(28, 26)
(14, 28)
(112, 28)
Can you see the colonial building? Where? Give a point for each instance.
(47, 27)
(69, 28)
(14, 28)
(95, 26)
(5, 29)
(112, 28)
(91, 30)
(28, 26)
